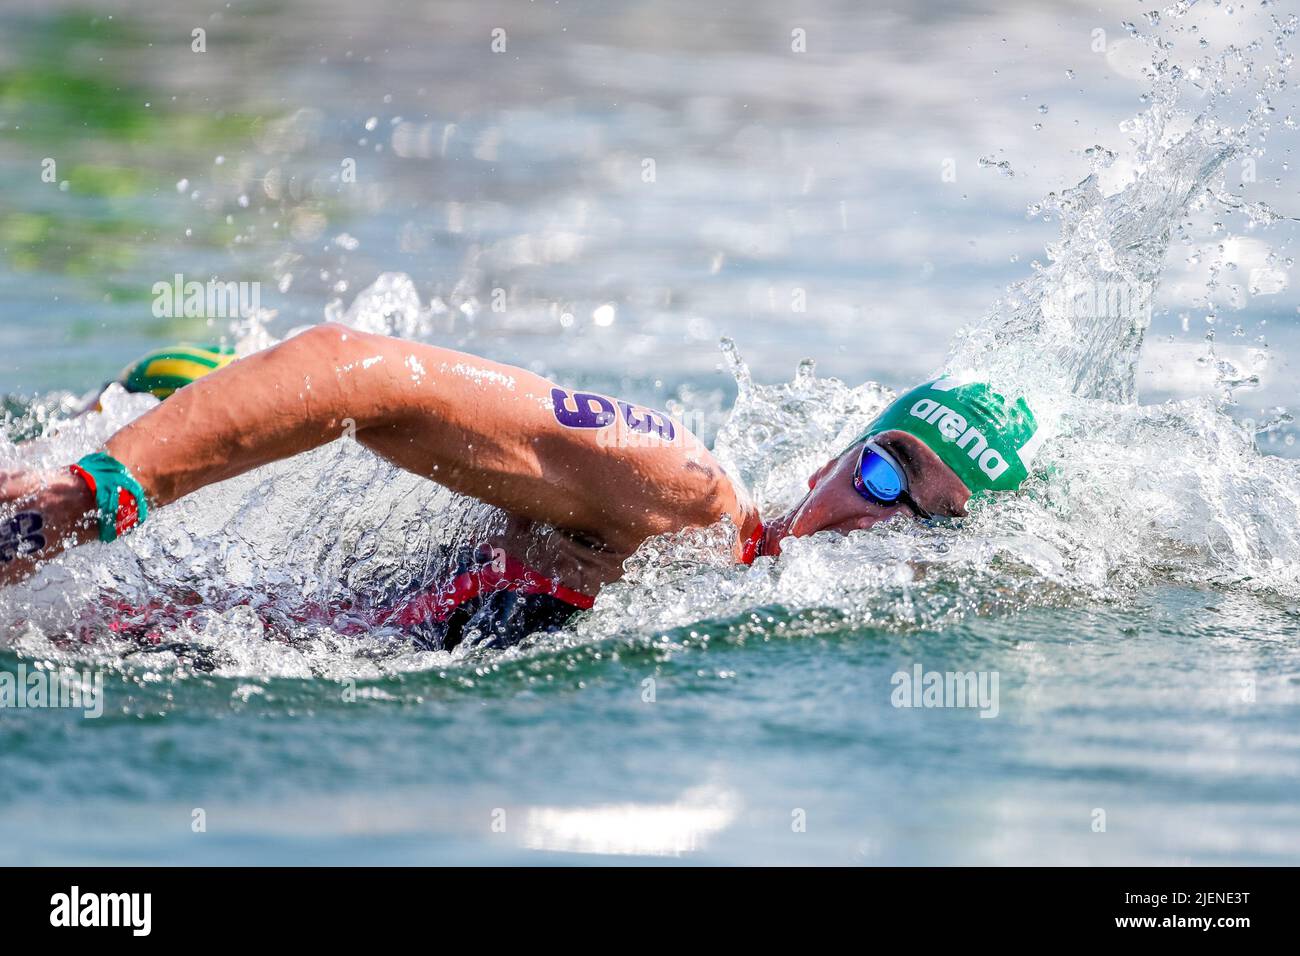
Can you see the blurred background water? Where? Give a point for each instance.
(798, 201)
(619, 186)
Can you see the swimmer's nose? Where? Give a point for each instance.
(841, 514)
(833, 504)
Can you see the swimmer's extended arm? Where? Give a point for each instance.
(478, 427)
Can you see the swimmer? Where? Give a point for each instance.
(596, 476)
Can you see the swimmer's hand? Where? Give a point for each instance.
(41, 514)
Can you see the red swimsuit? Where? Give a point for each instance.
(492, 599)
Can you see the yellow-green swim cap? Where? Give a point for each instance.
(162, 371)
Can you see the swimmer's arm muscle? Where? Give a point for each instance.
(478, 427)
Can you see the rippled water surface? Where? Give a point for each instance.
(668, 202)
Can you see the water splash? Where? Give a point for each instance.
(1077, 325)
(1133, 495)
(777, 435)
(1130, 495)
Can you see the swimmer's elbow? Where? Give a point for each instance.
(335, 343)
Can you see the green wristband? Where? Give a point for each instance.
(119, 498)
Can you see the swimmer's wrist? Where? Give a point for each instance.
(70, 507)
(120, 502)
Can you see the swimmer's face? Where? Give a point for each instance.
(833, 504)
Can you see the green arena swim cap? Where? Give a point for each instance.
(989, 442)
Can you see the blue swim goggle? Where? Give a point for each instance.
(880, 479)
